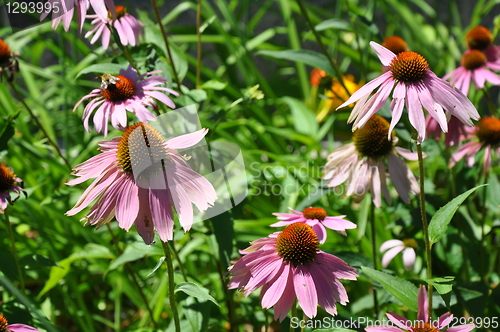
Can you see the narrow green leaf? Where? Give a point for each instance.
(442, 285)
(303, 118)
(402, 290)
(102, 68)
(157, 266)
(333, 23)
(308, 57)
(439, 222)
(214, 85)
(196, 291)
(129, 255)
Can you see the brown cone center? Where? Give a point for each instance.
(473, 59)
(5, 52)
(7, 177)
(3, 324)
(371, 140)
(408, 67)
(479, 38)
(297, 244)
(424, 327)
(122, 89)
(395, 44)
(488, 130)
(314, 213)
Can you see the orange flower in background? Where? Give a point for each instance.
(316, 76)
(395, 44)
(335, 96)
(480, 38)
(8, 61)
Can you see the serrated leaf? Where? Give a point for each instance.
(103, 68)
(196, 291)
(402, 290)
(439, 222)
(308, 57)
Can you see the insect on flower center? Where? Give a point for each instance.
(120, 12)
(408, 67)
(371, 140)
(5, 52)
(140, 147)
(424, 327)
(473, 59)
(479, 38)
(488, 130)
(297, 244)
(3, 324)
(7, 178)
(117, 88)
(314, 213)
(395, 44)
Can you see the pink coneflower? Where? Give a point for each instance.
(64, 10)
(124, 92)
(9, 184)
(288, 265)
(128, 28)
(394, 247)
(4, 327)
(360, 164)
(485, 135)
(415, 86)
(456, 130)
(317, 219)
(480, 38)
(140, 178)
(475, 67)
(423, 323)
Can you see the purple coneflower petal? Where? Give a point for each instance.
(409, 257)
(390, 254)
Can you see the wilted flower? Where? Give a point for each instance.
(140, 178)
(9, 182)
(4, 327)
(475, 67)
(360, 164)
(415, 86)
(455, 130)
(394, 247)
(8, 60)
(127, 26)
(317, 219)
(289, 266)
(480, 38)
(423, 323)
(124, 92)
(486, 134)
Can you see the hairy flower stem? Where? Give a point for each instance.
(14, 250)
(198, 33)
(484, 273)
(171, 290)
(167, 45)
(334, 65)
(39, 124)
(374, 256)
(425, 225)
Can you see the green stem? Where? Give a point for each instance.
(483, 220)
(198, 33)
(122, 47)
(39, 124)
(425, 224)
(14, 250)
(374, 256)
(171, 290)
(167, 45)
(323, 48)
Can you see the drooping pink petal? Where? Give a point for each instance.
(399, 321)
(305, 290)
(409, 257)
(423, 304)
(390, 244)
(390, 254)
(385, 55)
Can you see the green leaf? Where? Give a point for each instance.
(311, 58)
(402, 290)
(196, 291)
(333, 23)
(214, 85)
(103, 68)
(439, 222)
(303, 118)
(442, 285)
(7, 130)
(157, 266)
(129, 255)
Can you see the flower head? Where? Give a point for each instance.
(8, 60)
(423, 323)
(127, 26)
(121, 93)
(335, 95)
(140, 179)
(317, 219)
(486, 134)
(5, 327)
(394, 247)
(395, 44)
(9, 182)
(480, 38)
(360, 164)
(317, 76)
(414, 85)
(288, 265)
(475, 67)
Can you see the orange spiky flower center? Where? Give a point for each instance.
(120, 89)
(408, 67)
(7, 178)
(140, 146)
(473, 59)
(395, 44)
(479, 38)
(297, 244)
(488, 130)
(3, 323)
(424, 327)
(371, 140)
(5, 52)
(120, 12)
(314, 213)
